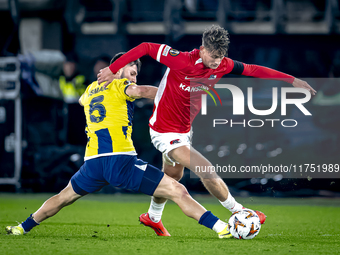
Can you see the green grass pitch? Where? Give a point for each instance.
(108, 224)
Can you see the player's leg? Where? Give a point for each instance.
(214, 184)
(156, 183)
(49, 208)
(176, 148)
(190, 158)
(173, 190)
(175, 171)
(158, 203)
(164, 142)
(53, 205)
(81, 183)
(153, 217)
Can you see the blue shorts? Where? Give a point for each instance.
(122, 171)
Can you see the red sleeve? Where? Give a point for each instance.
(266, 73)
(162, 53)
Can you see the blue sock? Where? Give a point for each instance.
(208, 219)
(28, 224)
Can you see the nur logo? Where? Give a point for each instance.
(238, 100)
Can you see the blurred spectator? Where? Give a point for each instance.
(72, 84)
(191, 5)
(98, 64)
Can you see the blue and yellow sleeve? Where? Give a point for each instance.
(122, 87)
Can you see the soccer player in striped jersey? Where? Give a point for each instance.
(177, 103)
(110, 157)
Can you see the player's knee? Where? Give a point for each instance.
(175, 174)
(215, 181)
(66, 197)
(179, 191)
(183, 192)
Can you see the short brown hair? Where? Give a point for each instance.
(216, 40)
(137, 62)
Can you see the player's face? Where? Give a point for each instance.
(130, 72)
(210, 59)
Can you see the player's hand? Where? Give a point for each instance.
(297, 83)
(105, 75)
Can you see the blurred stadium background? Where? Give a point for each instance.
(42, 136)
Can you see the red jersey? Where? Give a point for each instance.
(175, 107)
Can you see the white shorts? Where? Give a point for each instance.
(166, 142)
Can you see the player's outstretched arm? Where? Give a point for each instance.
(136, 91)
(268, 73)
(106, 74)
(303, 84)
(160, 52)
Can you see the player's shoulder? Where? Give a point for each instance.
(90, 88)
(118, 83)
(92, 85)
(227, 60)
(227, 64)
(119, 87)
(194, 54)
(193, 57)
(170, 51)
(121, 82)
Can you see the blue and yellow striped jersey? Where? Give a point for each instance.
(109, 113)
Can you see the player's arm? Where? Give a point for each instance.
(160, 52)
(80, 102)
(298, 83)
(137, 91)
(81, 98)
(268, 73)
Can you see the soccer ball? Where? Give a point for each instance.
(244, 224)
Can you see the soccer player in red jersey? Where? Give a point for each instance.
(175, 107)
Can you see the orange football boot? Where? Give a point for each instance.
(157, 227)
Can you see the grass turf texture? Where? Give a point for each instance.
(99, 224)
